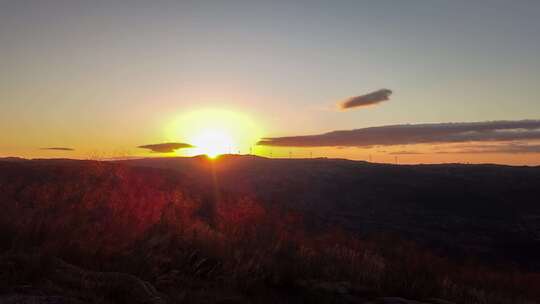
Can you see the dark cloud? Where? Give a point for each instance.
(366, 100)
(58, 148)
(416, 134)
(166, 147)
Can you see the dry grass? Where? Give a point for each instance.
(186, 246)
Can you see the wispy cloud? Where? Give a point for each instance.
(58, 148)
(504, 148)
(165, 147)
(488, 131)
(405, 153)
(366, 100)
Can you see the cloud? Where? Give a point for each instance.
(506, 148)
(165, 147)
(58, 149)
(366, 100)
(488, 131)
(405, 153)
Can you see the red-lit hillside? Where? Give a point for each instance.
(249, 229)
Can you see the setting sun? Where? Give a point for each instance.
(213, 142)
(214, 132)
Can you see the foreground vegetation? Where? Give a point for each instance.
(132, 228)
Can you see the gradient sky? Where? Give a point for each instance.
(104, 77)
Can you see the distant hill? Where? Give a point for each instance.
(12, 159)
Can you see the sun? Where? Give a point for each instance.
(214, 132)
(213, 142)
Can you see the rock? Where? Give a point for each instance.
(338, 288)
(439, 301)
(27, 299)
(117, 287)
(396, 300)
(127, 287)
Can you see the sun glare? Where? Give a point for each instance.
(213, 143)
(214, 132)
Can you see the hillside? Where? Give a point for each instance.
(179, 221)
(487, 210)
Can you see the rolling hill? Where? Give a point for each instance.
(168, 219)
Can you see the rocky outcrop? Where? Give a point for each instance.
(345, 293)
(395, 300)
(50, 275)
(32, 299)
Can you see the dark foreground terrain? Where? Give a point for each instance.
(244, 229)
